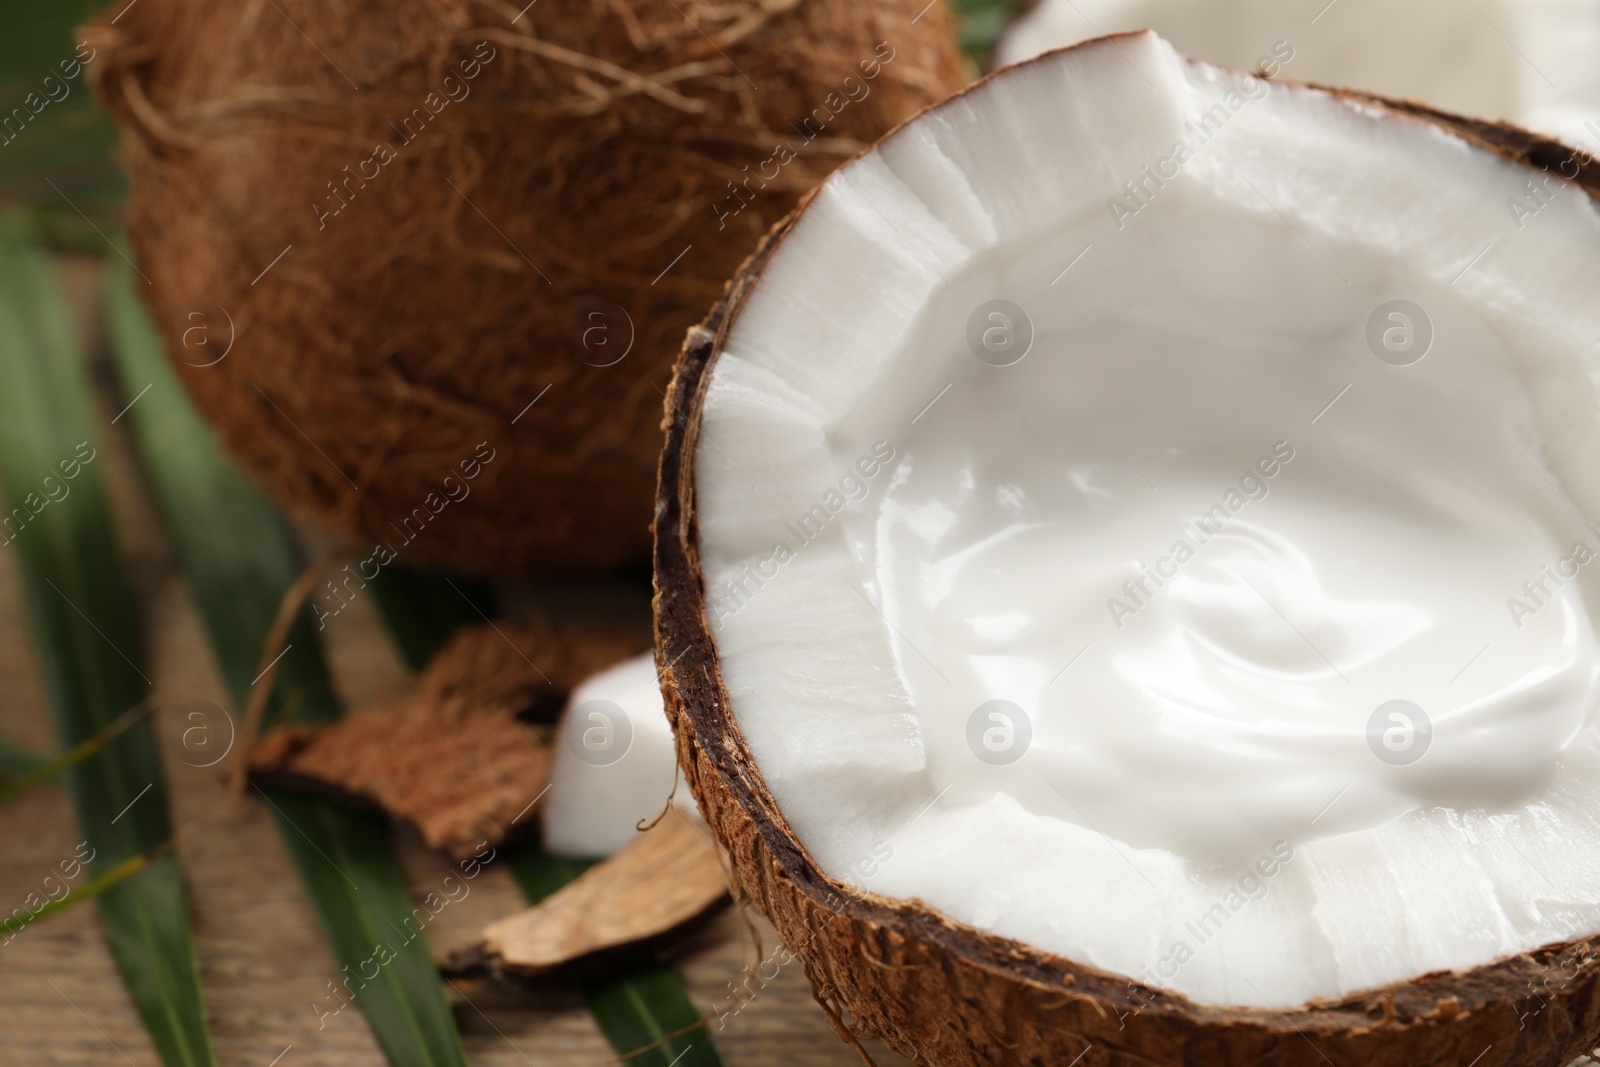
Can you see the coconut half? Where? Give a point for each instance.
(1124, 577)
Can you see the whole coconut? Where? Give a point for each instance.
(426, 267)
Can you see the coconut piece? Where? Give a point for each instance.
(527, 665)
(1524, 61)
(426, 272)
(933, 940)
(613, 765)
(641, 903)
(461, 781)
(455, 759)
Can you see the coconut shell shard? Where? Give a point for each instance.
(638, 904)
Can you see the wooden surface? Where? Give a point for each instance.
(262, 958)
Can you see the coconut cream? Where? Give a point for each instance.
(1217, 573)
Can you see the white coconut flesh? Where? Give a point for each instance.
(613, 767)
(1198, 540)
(1525, 61)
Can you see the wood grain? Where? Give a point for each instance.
(262, 958)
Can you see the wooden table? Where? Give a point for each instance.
(262, 958)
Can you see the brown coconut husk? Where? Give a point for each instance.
(456, 759)
(949, 995)
(586, 180)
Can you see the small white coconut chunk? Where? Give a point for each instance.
(915, 155)
(991, 858)
(1025, 162)
(898, 249)
(784, 467)
(842, 702)
(614, 767)
(1357, 909)
(1235, 631)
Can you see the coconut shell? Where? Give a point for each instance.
(641, 904)
(949, 995)
(373, 236)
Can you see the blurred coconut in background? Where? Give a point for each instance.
(426, 267)
(1532, 62)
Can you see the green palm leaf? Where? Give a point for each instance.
(87, 634)
(981, 24)
(16, 762)
(240, 559)
(21, 918)
(55, 150)
(32, 771)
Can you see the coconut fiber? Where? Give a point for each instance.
(426, 266)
